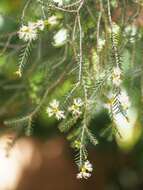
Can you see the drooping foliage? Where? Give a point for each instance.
(84, 51)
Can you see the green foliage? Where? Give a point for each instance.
(83, 56)
(23, 57)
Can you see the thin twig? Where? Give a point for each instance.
(24, 10)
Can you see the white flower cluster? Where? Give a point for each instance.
(30, 32)
(116, 76)
(75, 109)
(85, 171)
(53, 110)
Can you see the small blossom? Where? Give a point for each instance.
(60, 37)
(84, 175)
(79, 175)
(40, 25)
(115, 28)
(101, 44)
(88, 166)
(76, 107)
(28, 33)
(53, 110)
(131, 32)
(85, 171)
(32, 25)
(52, 20)
(18, 73)
(77, 144)
(78, 102)
(116, 76)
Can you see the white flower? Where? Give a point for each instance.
(85, 170)
(116, 76)
(53, 110)
(32, 25)
(78, 102)
(54, 104)
(115, 28)
(101, 43)
(79, 175)
(60, 115)
(88, 166)
(40, 25)
(124, 100)
(131, 31)
(117, 71)
(52, 20)
(76, 107)
(28, 33)
(60, 37)
(77, 144)
(75, 111)
(84, 175)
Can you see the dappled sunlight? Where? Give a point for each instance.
(128, 129)
(13, 163)
(30, 163)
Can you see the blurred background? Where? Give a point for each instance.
(45, 160)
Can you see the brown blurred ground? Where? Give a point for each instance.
(49, 165)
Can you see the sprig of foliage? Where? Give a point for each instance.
(23, 57)
(93, 64)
